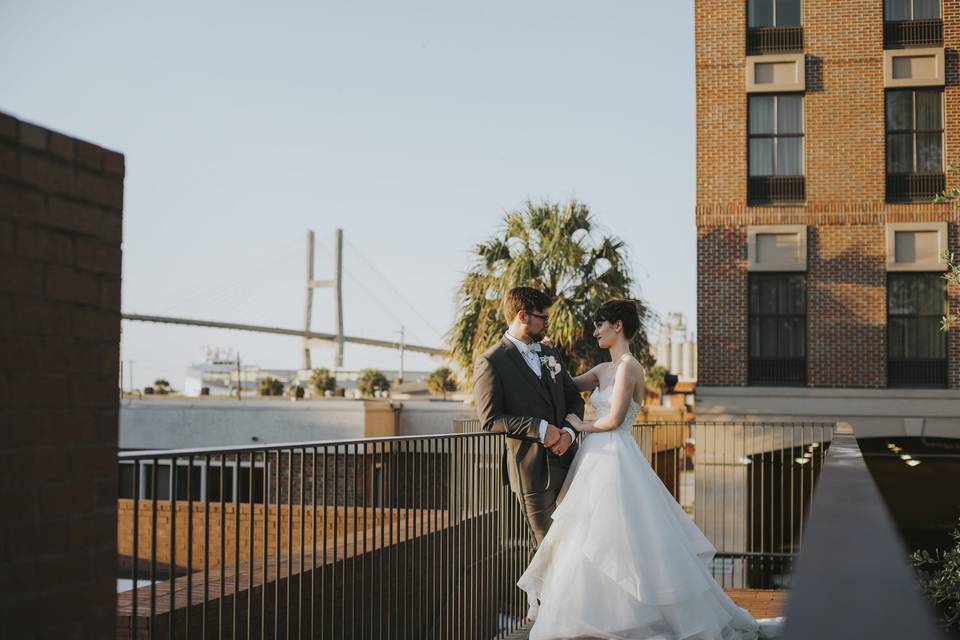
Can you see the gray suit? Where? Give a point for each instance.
(511, 399)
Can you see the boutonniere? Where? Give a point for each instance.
(552, 365)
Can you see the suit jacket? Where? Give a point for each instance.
(511, 399)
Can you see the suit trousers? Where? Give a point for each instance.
(538, 506)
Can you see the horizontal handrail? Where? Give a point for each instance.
(852, 547)
(259, 448)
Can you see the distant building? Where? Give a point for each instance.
(217, 372)
(674, 350)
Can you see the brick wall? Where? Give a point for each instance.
(845, 180)
(61, 202)
(343, 520)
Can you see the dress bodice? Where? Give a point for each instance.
(601, 404)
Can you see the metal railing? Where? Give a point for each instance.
(747, 485)
(774, 40)
(898, 34)
(917, 372)
(777, 371)
(407, 537)
(775, 190)
(914, 187)
(411, 537)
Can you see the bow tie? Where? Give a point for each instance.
(533, 347)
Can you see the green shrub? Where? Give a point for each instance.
(939, 577)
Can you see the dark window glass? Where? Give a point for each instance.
(914, 131)
(773, 13)
(126, 480)
(897, 10)
(213, 484)
(916, 346)
(244, 484)
(777, 305)
(776, 135)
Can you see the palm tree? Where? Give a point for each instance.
(322, 380)
(371, 381)
(558, 250)
(270, 386)
(441, 382)
(656, 379)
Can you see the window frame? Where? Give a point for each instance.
(914, 131)
(913, 12)
(914, 186)
(203, 488)
(754, 361)
(942, 363)
(776, 136)
(775, 25)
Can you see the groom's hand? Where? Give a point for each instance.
(562, 445)
(551, 437)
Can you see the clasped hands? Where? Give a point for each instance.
(558, 440)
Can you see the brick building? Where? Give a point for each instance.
(61, 210)
(824, 130)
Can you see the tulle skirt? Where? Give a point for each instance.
(623, 560)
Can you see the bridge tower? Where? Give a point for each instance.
(335, 283)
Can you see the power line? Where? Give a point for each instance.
(394, 288)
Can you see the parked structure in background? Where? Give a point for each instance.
(821, 130)
(674, 349)
(218, 373)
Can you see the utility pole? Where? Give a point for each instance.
(239, 379)
(402, 344)
(338, 278)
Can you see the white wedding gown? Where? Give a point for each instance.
(622, 559)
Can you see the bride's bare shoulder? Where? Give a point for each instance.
(632, 364)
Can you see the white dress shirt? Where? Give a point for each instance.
(532, 358)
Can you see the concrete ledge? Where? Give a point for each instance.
(913, 68)
(871, 412)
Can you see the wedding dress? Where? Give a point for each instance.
(622, 559)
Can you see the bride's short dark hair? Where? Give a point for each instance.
(622, 309)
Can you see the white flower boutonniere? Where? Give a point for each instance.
(552, 365)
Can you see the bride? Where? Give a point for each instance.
(622, 559)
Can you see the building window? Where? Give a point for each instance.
(775, 149)
(774, 26)
(916, 347)
(778, 329)
(914, 144)
(912, 23)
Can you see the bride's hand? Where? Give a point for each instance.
(547, 342)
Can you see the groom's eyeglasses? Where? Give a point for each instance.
(546, 319)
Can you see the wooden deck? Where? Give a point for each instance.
(760, 603)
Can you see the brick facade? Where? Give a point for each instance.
(61, 202)
(845, 210)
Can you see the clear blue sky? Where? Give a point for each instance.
(412, 125)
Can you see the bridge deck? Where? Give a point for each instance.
(760, 603)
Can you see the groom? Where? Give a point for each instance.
(521, 389)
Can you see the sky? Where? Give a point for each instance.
(413, 126)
